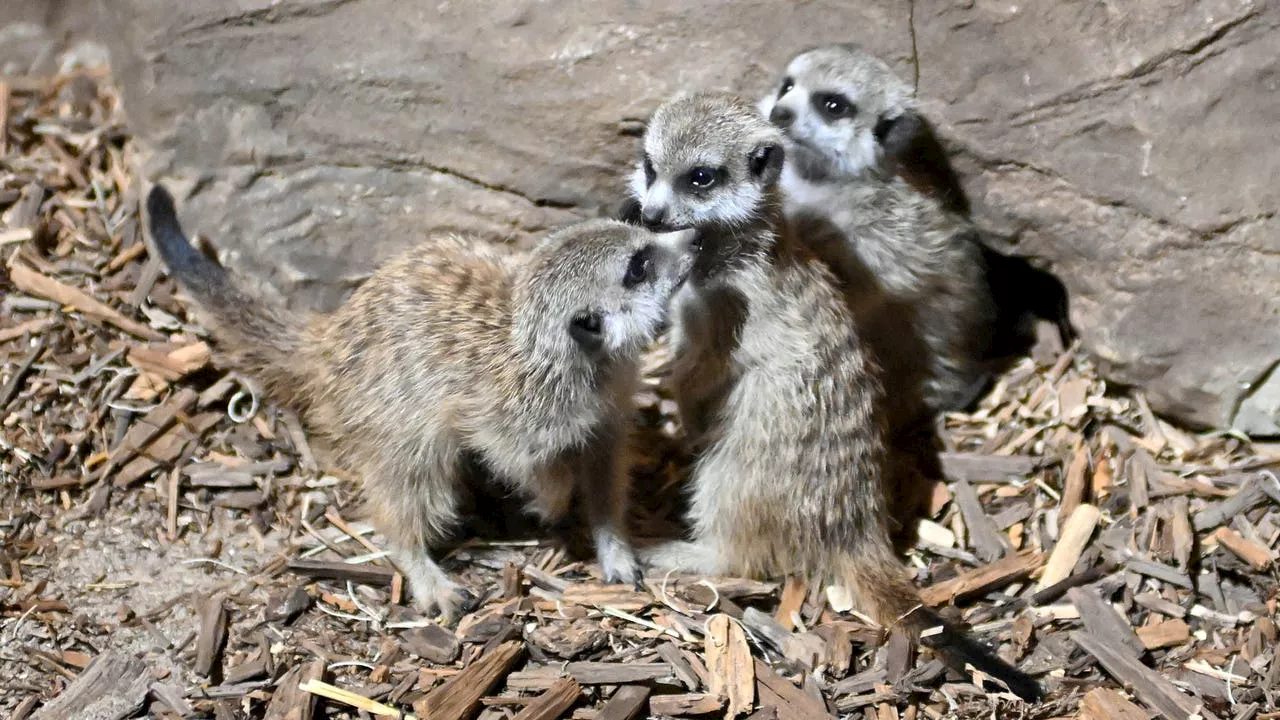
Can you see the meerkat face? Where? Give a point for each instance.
(605, 286)
(708, 158)
(836, 104)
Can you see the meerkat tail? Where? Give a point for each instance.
(894, 602)
(263, 338)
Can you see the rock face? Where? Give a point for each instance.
(1133, 152)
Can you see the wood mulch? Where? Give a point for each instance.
(171, 548)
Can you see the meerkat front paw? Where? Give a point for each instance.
(618, 561)
(432, 590)
(449, 600)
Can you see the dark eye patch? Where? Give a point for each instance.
(639, 268)
(833, 106)
(649, 173)
(704, 178)
(787, 85)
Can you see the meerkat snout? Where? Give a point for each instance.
(721, 183)
(782, 116)
(624, 304)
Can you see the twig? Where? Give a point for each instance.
(346, 697)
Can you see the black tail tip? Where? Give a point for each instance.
(960, 650)
(160, 204)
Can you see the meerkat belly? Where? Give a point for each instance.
(794, 453)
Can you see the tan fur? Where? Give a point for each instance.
(460, 347)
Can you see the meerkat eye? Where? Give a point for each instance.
(787, 85)
(834, 107)
(639, 268)
(703, 178)
(649, 173)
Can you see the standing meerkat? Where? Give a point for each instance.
(781, 400)
(864, 158)
(460, 347)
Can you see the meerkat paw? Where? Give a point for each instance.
(432, 590)
(617, 560)
(448, 599)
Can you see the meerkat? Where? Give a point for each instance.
(866, 159)
(773, 382)
(463, 349)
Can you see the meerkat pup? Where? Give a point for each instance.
(773, 382)
(865, 157)
(526, 361)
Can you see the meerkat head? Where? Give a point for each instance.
(709, 158)
(600, 289)
(837, 105)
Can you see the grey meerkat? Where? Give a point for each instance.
(773, 383)
(850, 119)
(456, 349)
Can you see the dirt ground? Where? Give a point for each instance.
(162, 541)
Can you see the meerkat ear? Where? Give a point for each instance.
(911, 149)
(766, 162)
(587, 329)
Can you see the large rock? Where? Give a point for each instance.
(1133, 152)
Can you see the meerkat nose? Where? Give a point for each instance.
(782, 116)
(653, 217)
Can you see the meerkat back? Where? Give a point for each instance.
(455, 351)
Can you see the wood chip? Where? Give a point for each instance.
(1104, 704)
(168, 448)
(30, 327)
(988, 543)
(589, 673)
(213, 635)
(459, 698)
(363, 574)
(626, 704)
(794, 591)
(1071, 543)
(171, 695)
(980, 580)
(150, 426)
(433, 643)
(680, 666)
(790, 702)
(1073, 488)
(1252, 552)
(113, 687)
(14, 384)
(1150, 687)
(552, 703)
(729, 662)
(1180, 526)
(1102, 620)
(1165, 634)
(684, 705)
(620, 597)
(172, 365)
(1250, 495)
(981, 468)
(30, 281)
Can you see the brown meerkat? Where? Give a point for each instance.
(773, 382)
(863, 157)
(461, 348)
